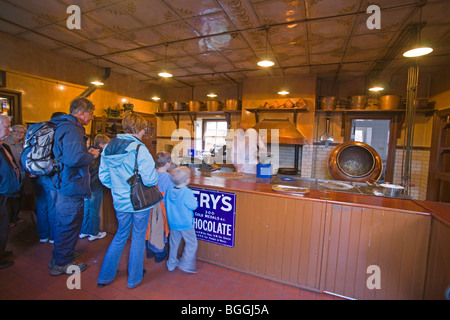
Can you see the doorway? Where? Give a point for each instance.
(375, 133)
(377, 130)
(10, 104)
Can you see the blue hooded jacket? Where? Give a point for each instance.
(180, 203)
(70, 149)
(9, 182)
(117, 165)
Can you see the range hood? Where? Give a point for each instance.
(288, 133)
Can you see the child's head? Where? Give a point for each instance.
(162, 158)
(180, 175)
(101, 140)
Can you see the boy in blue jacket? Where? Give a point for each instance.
(180, 203)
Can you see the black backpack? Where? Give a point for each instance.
(37, 155)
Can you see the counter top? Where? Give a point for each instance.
(252, 184)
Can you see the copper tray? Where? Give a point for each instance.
(290, 189)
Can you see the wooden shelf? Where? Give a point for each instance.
(294, 111)
(193, 115)
(427, 112)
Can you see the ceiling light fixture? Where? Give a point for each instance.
(283, 92)
(266, 62)
(155, 98)
(164, 73)
(211, 95)
(376, 89)
(417, 49)
(418, 52)
(97, 81)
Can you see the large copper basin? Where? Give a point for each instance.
(355, 161)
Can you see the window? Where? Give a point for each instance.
(214, 134)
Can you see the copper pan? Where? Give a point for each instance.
(355, 161)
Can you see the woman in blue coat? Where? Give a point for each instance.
(116, 166)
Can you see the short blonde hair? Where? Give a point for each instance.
(179, 175)
(162, 158)
(133, 123)
(101, 139)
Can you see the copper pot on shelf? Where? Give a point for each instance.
(390, 102)
(232, 104)
(358, 102)
(328, 103)
(355, 161)
(195, 106)
(179, 106)
(212, 105)
(166, 107)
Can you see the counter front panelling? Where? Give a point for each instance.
(326, 242)
(358, 237)
(276, 238)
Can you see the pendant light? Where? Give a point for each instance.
(164, 73)
(265, 63)
(212, 94)
(97, 80)
(283, 91)
(376, 89)
(417, 49)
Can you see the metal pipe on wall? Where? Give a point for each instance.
(411, 95)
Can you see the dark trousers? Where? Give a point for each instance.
(5, 210)
(69, 218)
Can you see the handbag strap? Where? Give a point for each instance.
(136, 170)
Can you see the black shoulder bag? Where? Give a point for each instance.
(142, 197)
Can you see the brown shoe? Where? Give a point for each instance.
(76, 268)
(5, 264)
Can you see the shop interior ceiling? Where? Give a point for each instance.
(220, 41)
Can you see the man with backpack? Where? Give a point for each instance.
(71, 183)
(9, 187)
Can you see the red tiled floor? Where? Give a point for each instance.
(29, 277)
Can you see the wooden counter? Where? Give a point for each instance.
(325, 240)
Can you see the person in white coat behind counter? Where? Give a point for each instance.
(247, 145)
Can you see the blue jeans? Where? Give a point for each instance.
(91, 220)
(187, 261)
(136, 260)
(45, 211)
(69, 217)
